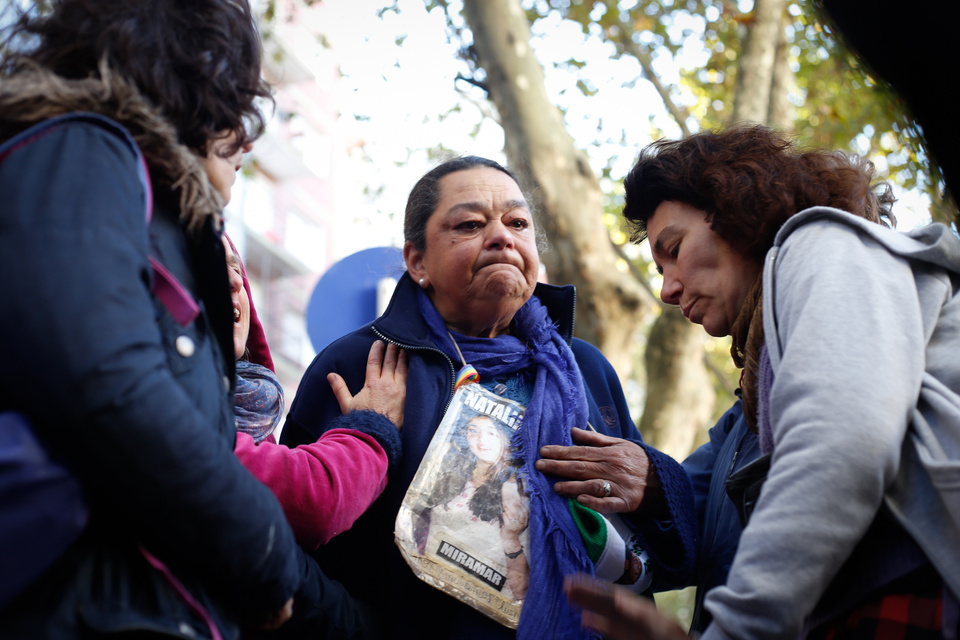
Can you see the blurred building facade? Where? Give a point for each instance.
(281, 214)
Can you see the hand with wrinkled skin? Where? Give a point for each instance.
(618, 613)
(593, 459)
(385, 387)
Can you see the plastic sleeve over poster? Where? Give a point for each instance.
(462, 526)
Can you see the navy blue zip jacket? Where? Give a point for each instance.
(731, 447)
(365, 558)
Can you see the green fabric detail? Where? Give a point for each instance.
(592, 527)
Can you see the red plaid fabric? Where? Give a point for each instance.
(908, 609)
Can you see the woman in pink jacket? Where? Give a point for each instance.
(322, 486)
(325, 486)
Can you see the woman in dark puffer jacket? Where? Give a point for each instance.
(124, 376)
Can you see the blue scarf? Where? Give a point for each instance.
(258, 402)
(558, 403)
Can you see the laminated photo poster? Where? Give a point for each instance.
(462, 526)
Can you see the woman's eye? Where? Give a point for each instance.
(675, 251)
(520, 223)
(470, 225)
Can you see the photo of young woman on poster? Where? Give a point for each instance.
(477, 502)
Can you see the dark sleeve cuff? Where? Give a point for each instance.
(376, 425)
(671, 543)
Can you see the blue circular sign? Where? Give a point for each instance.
(345, 298)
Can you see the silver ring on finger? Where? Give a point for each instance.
(607, 489)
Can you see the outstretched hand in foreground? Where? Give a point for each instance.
(617, 612)
(278, 618)
(385, 387)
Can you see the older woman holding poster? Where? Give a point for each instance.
(470, 297)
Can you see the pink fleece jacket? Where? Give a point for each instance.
(323, 487)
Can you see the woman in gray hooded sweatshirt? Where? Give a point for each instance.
(848, 334)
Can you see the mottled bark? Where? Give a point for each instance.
(751, 101)
(782, 81)
(680, 395)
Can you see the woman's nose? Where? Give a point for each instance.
(236, 280)
(498, 235)
(238, 157)
(671, 289)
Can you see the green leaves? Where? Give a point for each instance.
(836, 102)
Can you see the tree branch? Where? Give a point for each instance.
(646, 64)
(476, 83)
(720, 374)
(618, 249)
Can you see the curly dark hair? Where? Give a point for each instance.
(749, 180)
(198, 61)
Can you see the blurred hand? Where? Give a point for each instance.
(279, 617)
(618, 613)
(385, 387)
(598, 459)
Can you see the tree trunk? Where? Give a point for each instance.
(680, 395)
(610, 303)
(751, 101)
(780, 111)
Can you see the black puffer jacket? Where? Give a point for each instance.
(136, 404)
